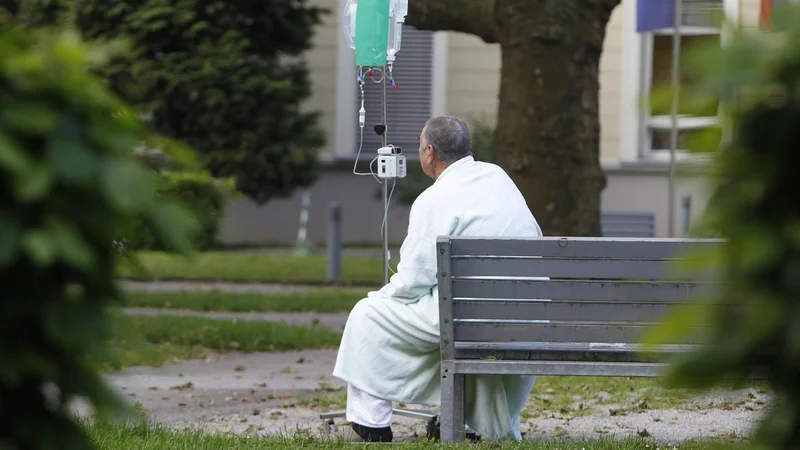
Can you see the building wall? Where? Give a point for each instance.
(748, 13)
(610, 76)
(646, 189)
(246, 223)
(322, 61)
(473, 77)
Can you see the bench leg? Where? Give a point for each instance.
(452, 414)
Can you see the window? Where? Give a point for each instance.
(409, 106)
(700, 23)
(767, 10)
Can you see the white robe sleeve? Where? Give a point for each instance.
(416, 272)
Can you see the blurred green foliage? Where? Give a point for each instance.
(68, 183)
(226, 77)
(205, 197)
(407, 190)
(754, 317)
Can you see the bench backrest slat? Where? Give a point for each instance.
(595, 268)
(552, 332)
(596, 290)
(558, 310)
(588, 248)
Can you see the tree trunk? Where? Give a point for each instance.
(548, 129)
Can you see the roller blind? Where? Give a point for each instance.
(409, 106)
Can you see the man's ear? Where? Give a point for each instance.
(431, 151)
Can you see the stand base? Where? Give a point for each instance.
(432, 427)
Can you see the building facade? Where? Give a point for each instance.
(458, 74)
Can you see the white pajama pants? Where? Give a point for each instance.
(366, 410)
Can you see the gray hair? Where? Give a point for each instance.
(450, 138)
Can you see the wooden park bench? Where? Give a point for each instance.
(586, 320)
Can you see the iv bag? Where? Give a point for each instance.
(401, 10)
(398, 13)
(350, 9)
(395, 38)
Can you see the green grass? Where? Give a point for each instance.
(152, 341)
(320, 301)
(249, 267)
(144, 437)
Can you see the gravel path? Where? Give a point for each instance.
(280, 393)
(334, 321)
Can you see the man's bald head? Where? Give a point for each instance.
(449, 137)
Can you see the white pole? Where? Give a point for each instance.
(302, 231)
(676, 81)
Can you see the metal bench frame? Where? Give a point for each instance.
(583, 321)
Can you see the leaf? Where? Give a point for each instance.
(174, 225)
(71, 247)
(31, 117)
(40, 246)
(12, 157)
(34, 184)
(70, 159)
(127, 185)
(9, 238)
(680, 321)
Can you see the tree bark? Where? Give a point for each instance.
(467, 16)
(548, 130)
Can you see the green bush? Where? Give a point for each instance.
(204, 196)
(753, 319)
(68, 183)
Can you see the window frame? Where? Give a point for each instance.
(636, 77)
(649, 124)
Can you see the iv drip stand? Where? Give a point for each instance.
(385, 227)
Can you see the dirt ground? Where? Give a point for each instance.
(281, 393)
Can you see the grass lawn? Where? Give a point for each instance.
(249, 267)
(319, 301)
(143, 437)
(152, 341)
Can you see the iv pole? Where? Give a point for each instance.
(431, 418)
(385, 229)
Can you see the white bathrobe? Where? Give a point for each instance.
(390, 346)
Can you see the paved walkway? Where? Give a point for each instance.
(335, 321)
(276, 393)
(226, 286)
(371, 253)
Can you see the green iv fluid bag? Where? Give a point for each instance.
(372, 32)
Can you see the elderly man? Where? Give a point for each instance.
(390, 347)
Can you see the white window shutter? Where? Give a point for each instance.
(702, 13)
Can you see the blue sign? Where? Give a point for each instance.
(654, 15)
